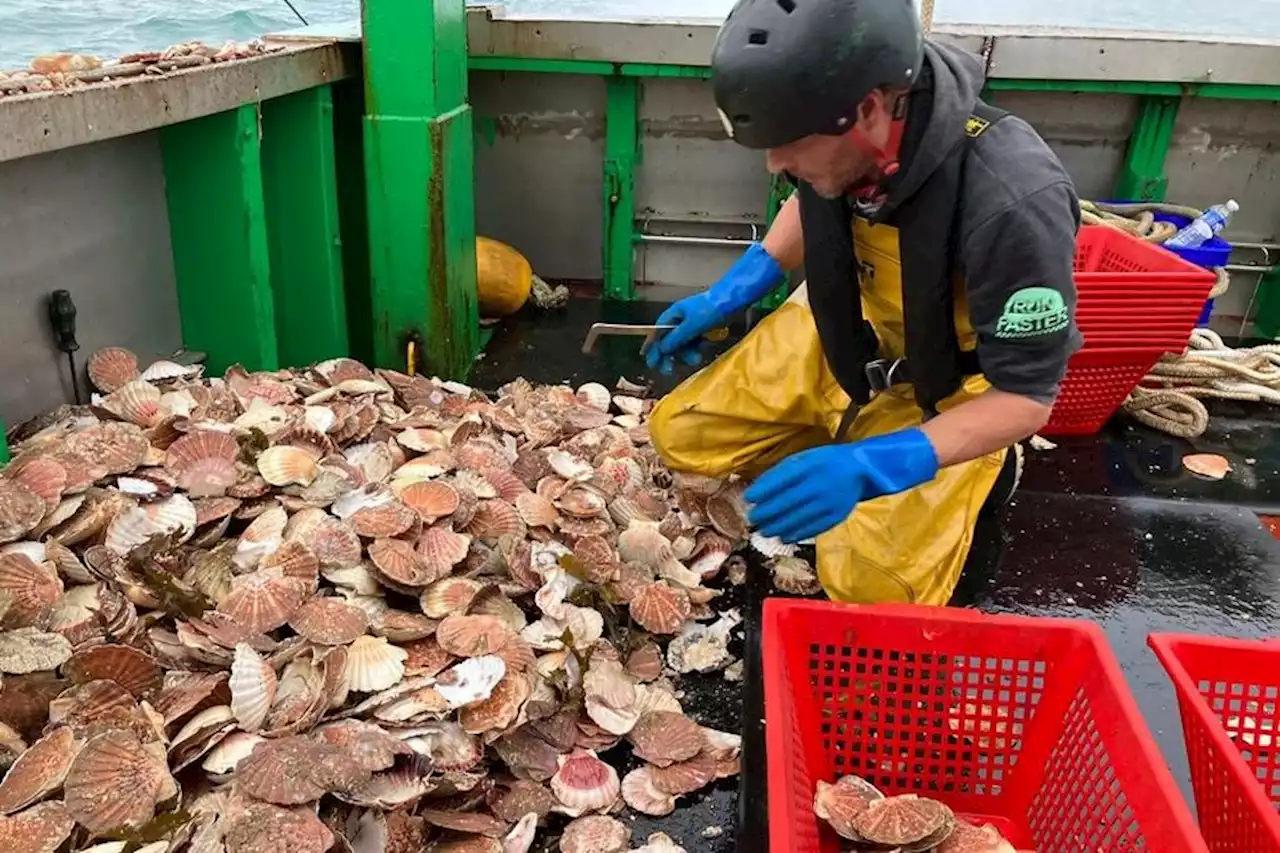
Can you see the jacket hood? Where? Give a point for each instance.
(958, 77)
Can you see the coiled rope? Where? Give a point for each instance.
(1138, 219)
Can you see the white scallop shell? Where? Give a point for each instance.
(570, 467)
(595, 395)
(138, 524)
(471, 681)
(374, 664)
(162, 370)
(320, 418)
(771, 546)
(229, 752)
(253, 688)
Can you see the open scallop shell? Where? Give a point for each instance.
(660, 608)
(841, 803)
(229, 752)
(21, 509)
(373, 664)
(40, 829)
(399, 563)
(261, 538)
(473, 636)
(29, 590)
(583, 783)
(329, 622)
(596, 834)
(471, 681)
(111, 368)
(115, 781)
(431, 500)
(285, 465)
(263, 601)
(441, 549)
(135, 671)
(639, 792)
(253, 688)
(794, 575)
(42, 475)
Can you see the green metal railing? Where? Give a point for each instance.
(293, 242)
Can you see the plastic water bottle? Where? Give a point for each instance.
(1205, 228)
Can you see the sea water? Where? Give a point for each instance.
(109, 27)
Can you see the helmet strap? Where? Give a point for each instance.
(885, 161)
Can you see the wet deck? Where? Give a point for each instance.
(1107, 528)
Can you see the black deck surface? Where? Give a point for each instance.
(1108, 528)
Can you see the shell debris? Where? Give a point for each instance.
(339, 608)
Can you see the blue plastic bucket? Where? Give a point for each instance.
(1211, 255)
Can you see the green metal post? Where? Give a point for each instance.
(4, 443)
(621, 144)
(1266, 320)
(218, 227)
(779, 192)
(1142, 178)
(300, 188)
(420, 185)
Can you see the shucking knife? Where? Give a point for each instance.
(648, 332)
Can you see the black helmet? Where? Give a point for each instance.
(786, 69)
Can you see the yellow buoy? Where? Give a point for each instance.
(503, 278)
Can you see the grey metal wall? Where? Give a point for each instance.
(91, 220)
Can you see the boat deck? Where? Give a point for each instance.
(1108, 528)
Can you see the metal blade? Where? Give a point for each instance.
(599, 330)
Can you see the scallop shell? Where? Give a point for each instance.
(473, 636)
(44, 476)
(173, 515)
(373, 664)
(471, 681)
(261, 538)
(967, 838)
(400, 563)
(335, 544)
(425, 467)
(329, 621)
(294, 560)
(374, 460)
(422, 439)
(582, 502)
(664, 738)
(117, 447)
(383, 516)
(596, 834)
(431, 500)
(841, 803)
(285, 465)
(1208, 465)
(685, 777)
(728, 516)
(441, 549)
(203, 463)
(902, 820)
(339, 370)
(476, 484)
(536, 511)
(229, 752)
(21, 509)
(265, 828)
(115, 782)
(253, 688)
(29, 589)
(494, 519)
(290, 771)
(771, 546)
(402, 626)
(185, 692)
(660, 608)
(39, 771)
(135, 671)
(568, 466)
(112, 368)
(794, 575)
(645, 662)
(585, 784)
(39, 829)
(263, 601)
(595, 395)
(639, 792)
(138, 402)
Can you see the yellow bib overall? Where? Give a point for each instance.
(773, 395)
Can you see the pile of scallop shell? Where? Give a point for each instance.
(906, 823)
(335, 608)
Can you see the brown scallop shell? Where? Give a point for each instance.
(265, 828)
(39, 771)
(645, 662)
(397, 560)
(472, 636)
(39, 829)
(431, 499)
(517, 798)
(660, 608)
(968, 838)
(389, 518)
(117, 447)
(289, 771)
(494, 519)
(400, 626)
(685, 777)
(598, 557)
(841, 803)
(441, 549)
(214, 509)
(21, 509)
(42, 475)
(639, 792)
(901, 820)
(335, 544)
(115, 782)
(204, 463)
(665, 737)
(82, 472)
(188, 692)
(135, 671)
(329, 621)
(294, 560)
(469, 822)
(536, 511)
(111, 368)
(30, 589)
(596, 834)
(263, 601)
(583, 783)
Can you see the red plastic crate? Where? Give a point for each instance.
(1023, 722)
(1227, 694)
(1101, 252)
(1096, 384)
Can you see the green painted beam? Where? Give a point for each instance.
(599, 67)
(353, 223)
(1266, 320)
(299, 182)
(4, 443)
(218, 228)
(419, 185)
(1142, 176)
(621, 146)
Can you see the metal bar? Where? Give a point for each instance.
(218, 228)
(1142, 177)
(1249, 268)
(4, 443)
(622, 140)
(419, 185)
(299, 178)
(690, 241)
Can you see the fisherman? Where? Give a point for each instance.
(880, 407)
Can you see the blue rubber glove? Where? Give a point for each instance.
(755, 274)
(813, 491)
